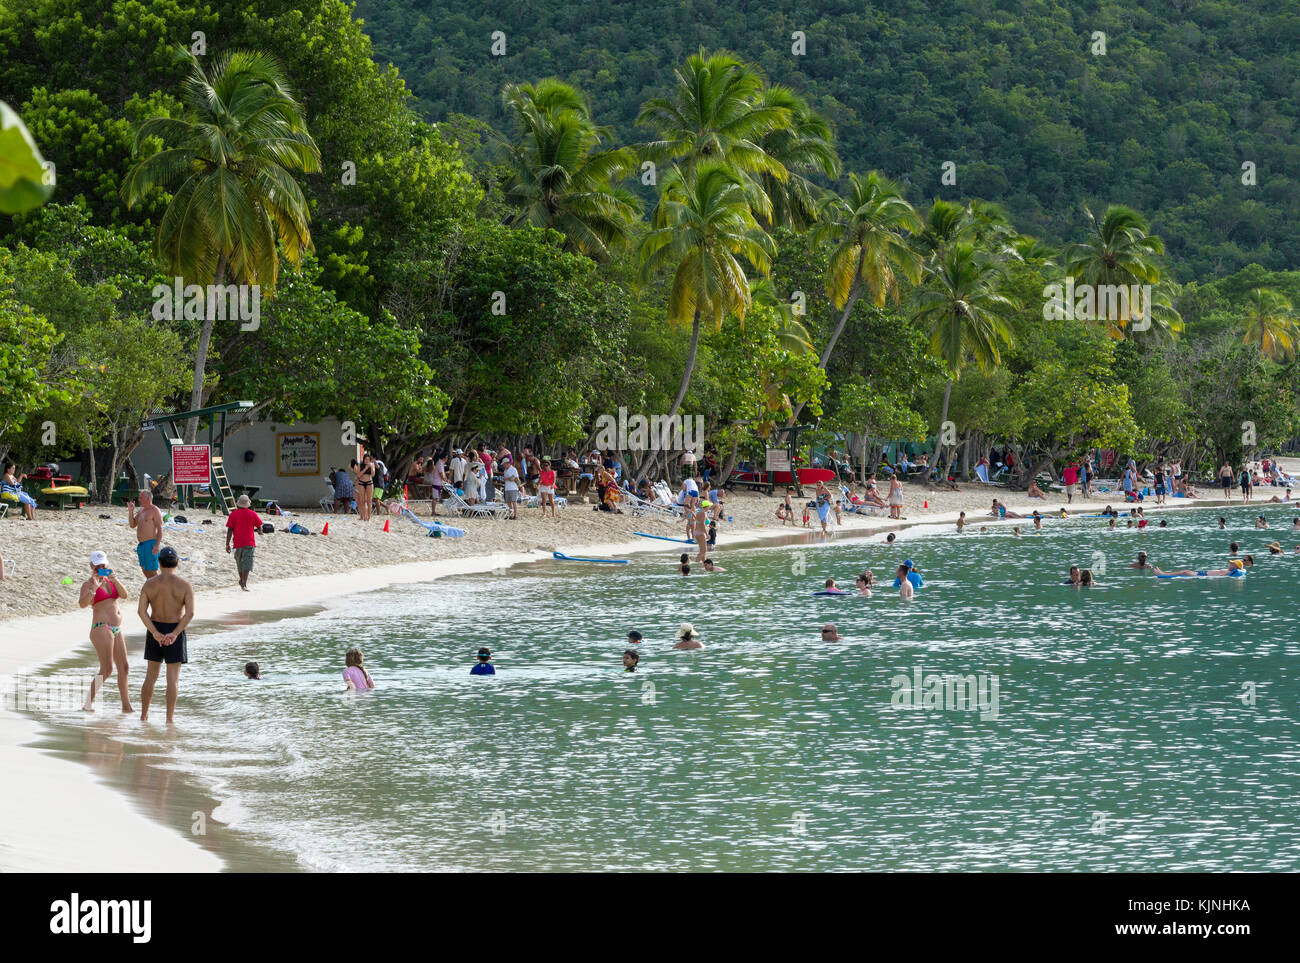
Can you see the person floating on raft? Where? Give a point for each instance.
(1236, 568)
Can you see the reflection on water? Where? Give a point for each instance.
(1143, 724)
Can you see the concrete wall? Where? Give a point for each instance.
(263, 440)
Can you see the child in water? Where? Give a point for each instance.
(355, 674)
(484, 664)
(630, 660)
(252, 670)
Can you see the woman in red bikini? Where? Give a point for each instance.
(103, 593)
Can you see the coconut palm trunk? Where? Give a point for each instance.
(943, 420)
(201, 355)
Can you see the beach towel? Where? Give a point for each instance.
(982, 473)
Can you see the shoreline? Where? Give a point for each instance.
(51, 833)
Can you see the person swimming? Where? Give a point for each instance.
(1075, 576)
(484, 664)
(252, 670)
(710, 567)
(631, 658)
(1223, 522)
(688, 638)
(831, 587)
(1141, 562)
(355, 674)
(863, 583)
(1085, 577)
(905, 590)
(1236, 567)
(908, 571)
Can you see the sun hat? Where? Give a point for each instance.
(98, 558)
(1275, 547)
(687, 631)
(243, 501)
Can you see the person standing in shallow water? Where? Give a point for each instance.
(102, 592)
(166, 608)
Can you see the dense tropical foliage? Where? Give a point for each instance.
(700, 234)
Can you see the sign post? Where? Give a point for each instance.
(191, 464)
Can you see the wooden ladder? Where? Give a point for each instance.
(222, 496)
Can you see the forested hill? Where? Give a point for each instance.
(1011, 92)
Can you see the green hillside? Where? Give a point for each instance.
(1010, 92)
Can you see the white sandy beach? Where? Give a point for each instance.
(56, 816)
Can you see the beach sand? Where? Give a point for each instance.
(57, 815)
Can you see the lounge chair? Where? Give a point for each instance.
(481, 510)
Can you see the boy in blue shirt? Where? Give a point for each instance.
(484, 665)
(908, 570)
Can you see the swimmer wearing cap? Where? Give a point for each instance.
(908, 570)
(1236, 567)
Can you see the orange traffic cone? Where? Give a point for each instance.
(385, 524)
(326, 531)
(927, 503)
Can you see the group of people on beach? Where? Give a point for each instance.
(166, 603)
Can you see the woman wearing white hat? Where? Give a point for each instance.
(688, 638)
(103, 592)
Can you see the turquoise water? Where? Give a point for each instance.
(1122, 738)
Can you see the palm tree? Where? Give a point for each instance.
(717, 112)
(704, 228)
(1270, 324)
(965, 310)
(868, 227)
(229, 168)
(1119, 251)
(793, 336)
(946, 223)
(558, 176)
(804, 148)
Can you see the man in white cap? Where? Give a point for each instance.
(241, 529)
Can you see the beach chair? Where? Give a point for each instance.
(664, 499)
(639, 506)
(481, 510)
(327, 500)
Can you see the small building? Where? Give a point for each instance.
(288, 462)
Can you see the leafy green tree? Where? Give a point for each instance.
(717, 113)
(1270, 324)
(868, 228)
(965, 313)
(558, 177)
(705, 229)
(1119, 251)
(230, 171)
(806, 149)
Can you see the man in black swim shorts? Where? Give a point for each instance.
(166, 608)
